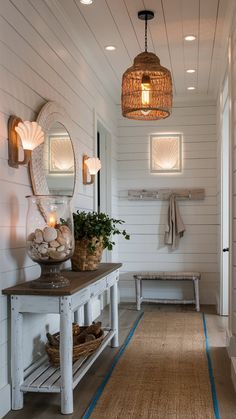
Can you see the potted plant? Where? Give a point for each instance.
(93, 232)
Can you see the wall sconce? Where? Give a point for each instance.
(31, 136)
(91, 165)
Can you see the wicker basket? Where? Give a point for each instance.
(83, 259)
(83, 349)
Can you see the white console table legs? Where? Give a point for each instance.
(114, 314)
(70, 304)
(66, 345)
(17, 358)
(88, 313)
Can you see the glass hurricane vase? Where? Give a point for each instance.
(49, 237)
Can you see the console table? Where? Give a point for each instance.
(41, 376)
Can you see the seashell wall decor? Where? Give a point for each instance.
(166, 153)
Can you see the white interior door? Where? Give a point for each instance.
(225, 202)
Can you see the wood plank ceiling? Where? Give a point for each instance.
(115, 22)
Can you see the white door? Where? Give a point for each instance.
(225, 200)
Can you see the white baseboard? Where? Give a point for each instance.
(228, 336)
(5, 400)
(231, 344)
(217, 303)
(233, 372)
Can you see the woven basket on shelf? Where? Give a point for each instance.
(85, 260)
(83, 349)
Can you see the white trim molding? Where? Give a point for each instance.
(230, 344)
(233, 372)
(5, 400)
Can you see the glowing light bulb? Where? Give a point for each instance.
(146, 92)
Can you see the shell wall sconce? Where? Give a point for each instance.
(30, 135)
(91, 165)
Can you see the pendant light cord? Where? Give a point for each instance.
(146, 33)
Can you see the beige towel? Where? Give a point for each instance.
(175, 227)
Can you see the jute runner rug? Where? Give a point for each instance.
(162, 374)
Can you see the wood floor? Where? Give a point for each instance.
(47, 406)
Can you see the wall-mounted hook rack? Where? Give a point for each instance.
(164, 194)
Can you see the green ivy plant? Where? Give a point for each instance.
(88, 225)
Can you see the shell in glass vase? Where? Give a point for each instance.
(50, 238)
(31, 134)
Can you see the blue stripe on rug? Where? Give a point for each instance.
(108, 375)
(210, 370)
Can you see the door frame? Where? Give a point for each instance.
(108, 184)
(224, 305)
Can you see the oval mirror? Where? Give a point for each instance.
(53, 163)
(59, 162)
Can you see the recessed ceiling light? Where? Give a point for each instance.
(191, 88)
(190, 38)
(86, 1)
(110, 47)
(190, 70)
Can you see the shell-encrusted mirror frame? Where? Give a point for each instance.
(50, 113)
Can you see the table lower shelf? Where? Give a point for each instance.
(44, 378)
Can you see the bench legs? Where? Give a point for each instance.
(138, 286)
(196, 293)
(139, 294)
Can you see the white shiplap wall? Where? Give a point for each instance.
(39, 62)
(146, 220)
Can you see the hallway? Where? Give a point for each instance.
(48, 406)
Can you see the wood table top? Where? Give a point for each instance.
(78, 280)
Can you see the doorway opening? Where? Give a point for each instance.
(103, 187)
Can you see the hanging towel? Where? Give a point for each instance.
(175, 227)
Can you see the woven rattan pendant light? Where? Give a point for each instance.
(146, 86)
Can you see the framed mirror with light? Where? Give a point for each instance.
(165, 153)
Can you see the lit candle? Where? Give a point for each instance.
(52, 219)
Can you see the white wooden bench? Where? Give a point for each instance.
(167, 276)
